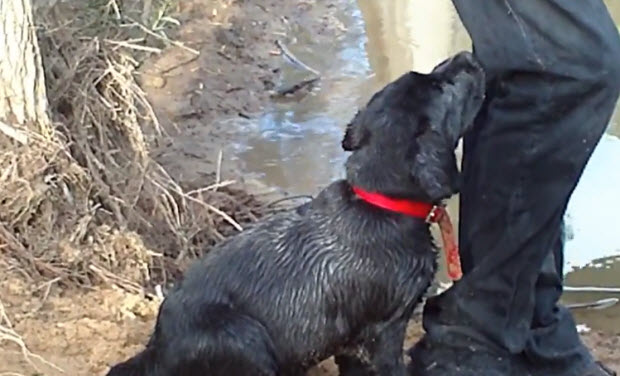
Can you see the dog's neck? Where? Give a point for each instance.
(429, 213)
(411, 208)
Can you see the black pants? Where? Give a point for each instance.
(553, 79)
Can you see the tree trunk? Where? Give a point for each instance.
(23, 99)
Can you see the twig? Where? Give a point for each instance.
(212, 187)
(176, 189)
(178, 65)
(293, 59)
(14, 133)
(132, 46)
(278, 201)
(296, 87)
(226, 217)
(612, 290)
(48, 288)
(159, 292)
(151, 33)
(117, 11)
(222, 54)
(598, 305)
(222, 214)
(218, 171)
(113, 279)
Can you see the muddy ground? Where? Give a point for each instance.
(83, 332)
(197, 98)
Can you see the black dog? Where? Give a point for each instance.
(337, 276)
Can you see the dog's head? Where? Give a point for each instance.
(403, 141)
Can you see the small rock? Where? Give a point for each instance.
(583, 328)
(156, 82)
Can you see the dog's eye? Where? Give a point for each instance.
(437, 84)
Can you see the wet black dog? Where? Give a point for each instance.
(336, 276)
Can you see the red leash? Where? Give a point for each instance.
(430, 213)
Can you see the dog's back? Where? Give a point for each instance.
(242, 310)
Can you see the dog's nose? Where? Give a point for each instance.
(465, 56)
(464, 60)
(469, 60)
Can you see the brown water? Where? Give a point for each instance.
(296, 145)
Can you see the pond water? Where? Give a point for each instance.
(295, 145)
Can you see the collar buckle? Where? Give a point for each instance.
(434, 214)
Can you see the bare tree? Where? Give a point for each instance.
(23, 100)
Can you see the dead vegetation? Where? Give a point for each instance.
(81, 200)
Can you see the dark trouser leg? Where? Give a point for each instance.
(554, 79)
(554, 343)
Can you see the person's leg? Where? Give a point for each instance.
(554, 79)
(554, 343)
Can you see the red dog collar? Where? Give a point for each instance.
(430, 213)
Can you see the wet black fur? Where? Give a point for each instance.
(335, 276)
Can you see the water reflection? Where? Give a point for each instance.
(296, 146)
(408, 35)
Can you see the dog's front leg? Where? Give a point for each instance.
(386, 349)
(352, 365)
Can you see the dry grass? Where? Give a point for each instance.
(88, 205)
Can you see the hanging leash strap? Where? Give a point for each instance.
(430, 213)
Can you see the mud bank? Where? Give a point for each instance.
(83, 333)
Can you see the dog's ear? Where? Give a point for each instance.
(355, 135)
(434, 167)
(459, 123)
